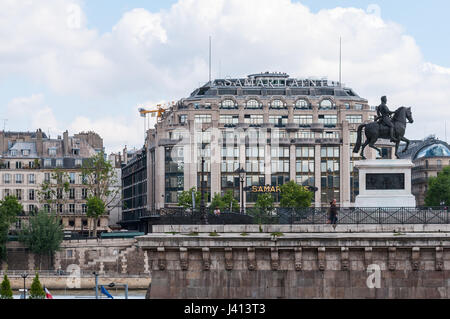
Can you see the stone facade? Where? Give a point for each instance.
(324, 120)
(345, 264)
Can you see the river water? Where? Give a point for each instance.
(90, 294)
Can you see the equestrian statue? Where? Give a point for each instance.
(386, 127)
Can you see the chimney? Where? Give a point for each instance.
(125, 157)
(39, 143)
(66, 143)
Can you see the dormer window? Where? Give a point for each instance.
(228, 104)
(25, 152)
(253, 104)
(301, 105)
(13, 152)
(76, 151)
(326, 105)
(277, 104)
(52, 151)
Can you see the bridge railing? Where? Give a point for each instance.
(307, 216)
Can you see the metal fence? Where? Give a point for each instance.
(307, 216)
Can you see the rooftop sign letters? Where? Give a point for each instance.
(275, 82)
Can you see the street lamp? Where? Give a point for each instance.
(24, 276)
(202, 194)
(241, 172)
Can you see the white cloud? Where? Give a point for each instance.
(163, 55)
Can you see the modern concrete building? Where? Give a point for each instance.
(429, 156)
(28, 159)
(276, 127)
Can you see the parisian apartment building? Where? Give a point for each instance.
(27, 159)
(275, 127)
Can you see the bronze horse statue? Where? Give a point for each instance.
(375, 130)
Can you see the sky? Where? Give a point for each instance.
(81, 65)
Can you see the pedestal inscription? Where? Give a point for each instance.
(385, 181)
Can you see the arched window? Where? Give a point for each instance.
(301, 104)
(326, 105)
(277, 104)
(228, 104)
(252, 104)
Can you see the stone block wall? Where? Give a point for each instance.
(298, 265)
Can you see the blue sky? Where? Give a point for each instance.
(426, 21)
(95, 78)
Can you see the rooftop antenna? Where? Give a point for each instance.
(209, 59)
(4, 124)
(445, 126)
(340, 61)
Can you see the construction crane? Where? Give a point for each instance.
(158, 113)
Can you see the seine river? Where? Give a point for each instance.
(90, 294)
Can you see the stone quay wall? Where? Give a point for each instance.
(117, 260)
(298, 261)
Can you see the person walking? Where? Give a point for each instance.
(332, 218)
(217, 211)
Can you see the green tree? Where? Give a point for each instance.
(43, 235)
(95, 209)
(185, 198)
(295, 196)
(263, 208)
(225, 202)
(100, 179)
(36, 290)
(9, 209)
(5, 289)
(439, 189)
(54, 192)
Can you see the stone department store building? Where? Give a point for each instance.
(275, 127)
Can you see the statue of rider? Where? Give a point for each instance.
(384, 117)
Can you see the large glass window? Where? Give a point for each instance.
(202, 118)
(330, 174)
(278, 120)
(229, 119)
(303, 120)
(254, 119)
(304, 165)
(328, 120)
(354, 118)
(174, 173)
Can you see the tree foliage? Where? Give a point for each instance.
(263, 208)
(9, 209)
(185, 198)
(295, 196)
(43, 235)
(36, 290)
(100, 179)
(5, 289)
(54, 192)
(225, 202)
(439, 189)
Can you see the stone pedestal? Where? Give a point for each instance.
(385, 183)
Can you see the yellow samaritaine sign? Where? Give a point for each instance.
(270, 189)
(266, 189)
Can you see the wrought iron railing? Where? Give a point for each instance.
(306, 216)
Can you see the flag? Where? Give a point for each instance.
(105, 292)
(48, 295)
